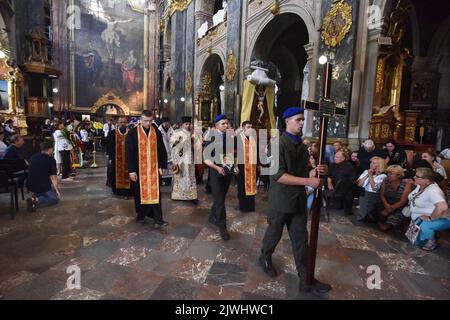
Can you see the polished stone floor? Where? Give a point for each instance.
(120, 259)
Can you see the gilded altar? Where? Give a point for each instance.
(11, 95)
(384, 126)
(389, 119)
(206, 103)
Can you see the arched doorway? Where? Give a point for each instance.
(108, 111)
(281, 47)
(109, 104)
(212, 92)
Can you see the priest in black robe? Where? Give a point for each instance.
(147, 161)
(119, 178)
(247, 148)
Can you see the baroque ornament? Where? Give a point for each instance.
(231, 66)
(337, 23)
(178, 5)
(110, 98)
(207, 81)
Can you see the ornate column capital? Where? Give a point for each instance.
(247, 71)
(309, 49)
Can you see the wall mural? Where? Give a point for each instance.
(109, 52)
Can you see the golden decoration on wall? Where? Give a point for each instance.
(275, 8)
(172, 86)
(337, 23)
(110, 98)
(379, 80)
(162, 25)
(207, 81)
(7, 85)
(189, 83)
(178, 5)
(231, 66)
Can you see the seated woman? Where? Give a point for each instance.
(428, 208)
(441, 179)
(396, 155)
(370, 180)
(431, 159)
(341, 177)
(394, 196)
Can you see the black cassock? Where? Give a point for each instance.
(111, 152)
(132, 153)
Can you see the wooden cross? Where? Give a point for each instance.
(327, 109)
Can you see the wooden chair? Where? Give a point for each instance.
(18, 170)
(9, 183)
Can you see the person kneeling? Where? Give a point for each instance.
(42, 179)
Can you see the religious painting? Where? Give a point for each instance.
(337, 23)
(424, 93)
(109, 52)
(4, 97)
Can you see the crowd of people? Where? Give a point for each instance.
(390, 190)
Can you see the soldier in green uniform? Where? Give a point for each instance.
(221, 162)
(287, 200)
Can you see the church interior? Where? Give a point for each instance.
(91, 72)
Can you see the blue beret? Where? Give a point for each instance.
(220, 117)
(292, 111)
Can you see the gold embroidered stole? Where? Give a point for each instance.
(250, 157)
(148, 166)
(122, 175)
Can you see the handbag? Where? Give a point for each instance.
(413, 231)
(406, 211)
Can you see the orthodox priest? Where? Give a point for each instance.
(248, 157)
(183, 167)
(119, 178)
(146, 155)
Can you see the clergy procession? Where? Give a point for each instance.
(224, 150)
(138, 159)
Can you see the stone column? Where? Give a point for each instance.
(191, 35)
(178, 64)
(365, 110)
(358, 73)
(200, 18)
(234, 22)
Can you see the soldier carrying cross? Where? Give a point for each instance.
(287, 195)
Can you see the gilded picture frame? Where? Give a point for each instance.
(337, 23)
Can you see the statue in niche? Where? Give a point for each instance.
(260, 110)
(306, 78)
(221, 15)
(261, 92)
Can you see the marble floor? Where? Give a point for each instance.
(121, 259)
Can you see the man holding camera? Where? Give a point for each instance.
(219, 157)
